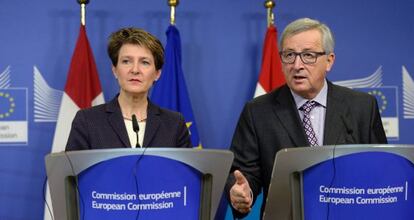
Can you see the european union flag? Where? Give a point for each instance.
(171, 91)
(13, 104)
(386, 98)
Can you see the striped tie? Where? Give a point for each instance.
(307, 125)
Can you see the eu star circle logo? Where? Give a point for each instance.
(7, 105)
(382, 100)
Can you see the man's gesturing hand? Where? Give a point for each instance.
(241, 194)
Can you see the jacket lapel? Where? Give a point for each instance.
(116, 120)
(335, 113)
(153, 122)
(286, 111)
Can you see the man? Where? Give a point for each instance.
(307, 111)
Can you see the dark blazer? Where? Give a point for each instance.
(271, 122)
(103, 126)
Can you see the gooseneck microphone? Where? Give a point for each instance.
(349, 129)
(135, 127)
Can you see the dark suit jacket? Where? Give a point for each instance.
(103, 126)
(271, 122)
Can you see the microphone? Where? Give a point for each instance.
(348, 128)
(135, 127)
(350, 132)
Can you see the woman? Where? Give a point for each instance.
(137, 58)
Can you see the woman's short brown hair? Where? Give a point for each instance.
(135, 36)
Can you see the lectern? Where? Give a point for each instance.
(342, 182)
(153, 183)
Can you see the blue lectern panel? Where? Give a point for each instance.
(139, 187)
(369, 185)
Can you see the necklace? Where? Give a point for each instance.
(130, 119)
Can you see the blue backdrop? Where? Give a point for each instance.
(221, 54)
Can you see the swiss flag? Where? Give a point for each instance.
(271, 74)
(82, 90)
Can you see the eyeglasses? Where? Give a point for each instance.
(307, 57)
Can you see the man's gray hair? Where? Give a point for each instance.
(305, 24)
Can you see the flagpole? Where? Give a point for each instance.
(270, 16)
(173, 4)
(83, 4)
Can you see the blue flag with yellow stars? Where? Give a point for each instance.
(170, 91)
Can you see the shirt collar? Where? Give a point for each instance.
(320, 98)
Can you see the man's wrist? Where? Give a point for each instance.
(251, 198)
